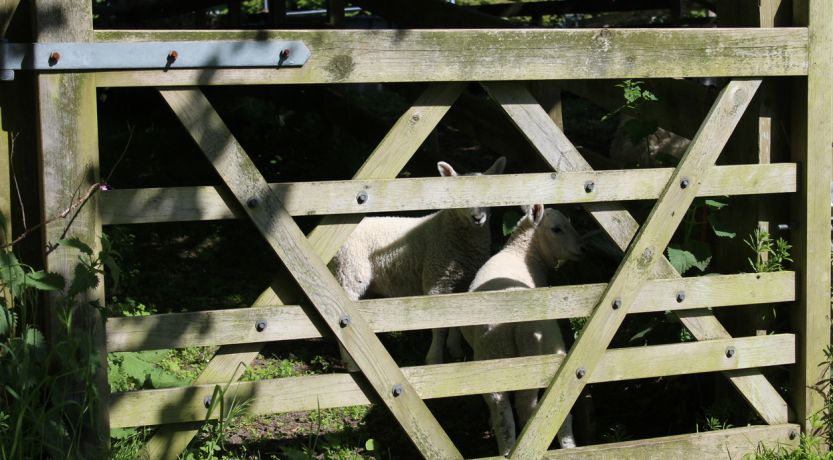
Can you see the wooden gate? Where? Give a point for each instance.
(500, 60)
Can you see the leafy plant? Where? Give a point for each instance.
(700, 221)
(770, 255)
(634, 96)
(48, 396)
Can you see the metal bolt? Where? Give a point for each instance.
(252, 203)
(680, 297)
(284, 54)
(344, 321)
(397, 390)
(730, 352)
(54, 57)
(172, 56)
(260, 325)
(580, 372)
(793, 434)
(206, 401)
(361, 198)
(415, 117)
(589, 186)
(684, 183)
(617, 303)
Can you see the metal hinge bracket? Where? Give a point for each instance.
(150, 55)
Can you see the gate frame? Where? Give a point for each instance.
(68, 151)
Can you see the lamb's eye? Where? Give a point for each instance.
(557, 230)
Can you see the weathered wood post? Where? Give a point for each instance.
(812, 137)
(68, 155)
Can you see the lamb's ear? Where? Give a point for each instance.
(497, 166)
(536, 213)
(445, 169)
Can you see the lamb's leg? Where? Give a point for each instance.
(501, 420)
(454, 343)
(435, 351)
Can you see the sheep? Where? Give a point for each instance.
(406, 256)
(543, 239)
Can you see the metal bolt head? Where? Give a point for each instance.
(416, 117)
(54, 57)
(361, 198)
(396, 390)
(684, 183)
(730, 352)
(581, 372)
(793, 434)
(260, 325)
(344, 321)
(284, 54)
(589, 186)
(680, 297)
(172, 56)
(617, 303)
(252, 203)
(206, 401)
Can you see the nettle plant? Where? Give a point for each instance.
(700, 223)
(47, 392)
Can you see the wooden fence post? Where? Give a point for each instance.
(812, 137)
(68, 156)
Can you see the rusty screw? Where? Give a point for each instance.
(284, 54)
(172, 56)
(54, 57)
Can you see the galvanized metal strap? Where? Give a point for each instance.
(150, 55)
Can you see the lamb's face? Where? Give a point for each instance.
(559, 240)
(477, 216)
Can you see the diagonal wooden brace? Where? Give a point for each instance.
(389, 157)
(267, 213)
(647, 247)
(560, 153)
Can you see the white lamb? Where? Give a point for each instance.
(542, 240)
(407, 256)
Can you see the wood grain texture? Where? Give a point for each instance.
(133, 206)
(68, 156)
(152, 407)
(385, 162)
(621, 227)
(634, 270)
(730, 444)
(285, 238)
(812, 139)
(347, 56)
(5, 188)
(285, 322)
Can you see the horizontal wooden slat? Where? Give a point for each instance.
(152, 407)
(339, 197)
(350, 56)
(730, 444)
(220, 327)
